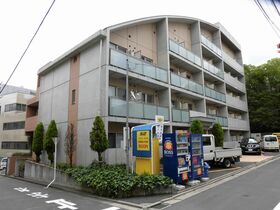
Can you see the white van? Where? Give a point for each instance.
(270, 142)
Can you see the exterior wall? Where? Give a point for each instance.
(181, 33)
(141, 38)
(15, 135)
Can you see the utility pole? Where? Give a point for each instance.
(127, 113)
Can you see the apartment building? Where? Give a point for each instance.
(179, 67)
(12, 120)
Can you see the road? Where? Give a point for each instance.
(20, 195)
(257, 190)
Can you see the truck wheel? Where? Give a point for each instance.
(226, 163)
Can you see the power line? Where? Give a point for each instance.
(38, 28)
(276, 8)
(273, 26)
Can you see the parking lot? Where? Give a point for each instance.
(245, 160)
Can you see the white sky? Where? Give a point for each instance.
(71, 21)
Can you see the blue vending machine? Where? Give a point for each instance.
(183, 156)
(196, 156)
(176, 156)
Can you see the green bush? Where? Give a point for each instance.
(218, 132)
(48, 142)
(98, 139)
(37, 143)
(115, 181)
(197, 127)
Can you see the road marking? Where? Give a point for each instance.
(38, 195)
(63, 204)
(20, 189)
(277, 207)
(112, 208)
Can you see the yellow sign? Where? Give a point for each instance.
(143, 141)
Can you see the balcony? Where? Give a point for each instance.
(31, 123)
(183, 52)
(237, 124)
(233, 63)
(179, 115)
(117, 107)
(213, 69)
(222, 120)
(215, 94)
(136, 65)
(235, 83)
(186, 84)
(236, 103)
(211, 46)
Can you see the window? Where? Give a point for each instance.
(115, 140)
(150, 99)
(190, 107)
(15, 145)
(15, 107)
(73, 96)
(112, 91)
(13, 125)
(121, 93)
(206, 141)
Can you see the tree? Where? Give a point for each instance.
(48, 142)
(98, 139)
(37, 144)
(197, 127)
(263, 93)
(218, 132)
(70, 143)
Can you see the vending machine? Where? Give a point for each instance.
(176, 156)
(183, 156)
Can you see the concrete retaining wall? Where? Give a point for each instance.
(44, 174)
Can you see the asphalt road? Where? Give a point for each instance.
(20, 195)
(257, 190)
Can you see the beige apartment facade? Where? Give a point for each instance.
(179, 67)
(12, 121)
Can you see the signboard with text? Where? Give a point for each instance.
(142, 143)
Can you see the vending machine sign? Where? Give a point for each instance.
(141, 143)
(143, 140)
(168, 148)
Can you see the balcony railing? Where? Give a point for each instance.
(117, 107)
(236, 103)
(179, 115)
(233, 63)
(235, 83)
(222, 120)
(186, 84)
(211, 45)
(215, 94)
(183, 52)
(237, 124)
(213, 69)
(136, 65)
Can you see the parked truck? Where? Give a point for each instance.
(226, 155)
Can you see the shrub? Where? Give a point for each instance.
(37, 143)
(70, 143)
(218, 132)
(98, 139)
(197, 127)
(48, 142)
(115, 181)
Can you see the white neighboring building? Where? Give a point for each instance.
(12, 120)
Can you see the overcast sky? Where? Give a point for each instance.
(71, 21)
